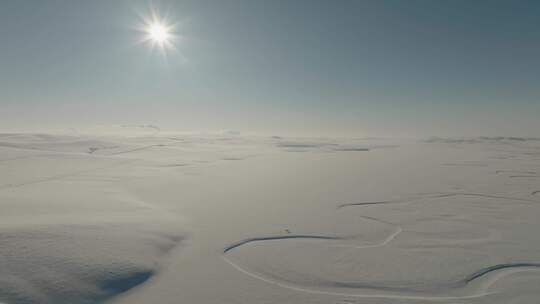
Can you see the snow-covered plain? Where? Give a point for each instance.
(242, 219)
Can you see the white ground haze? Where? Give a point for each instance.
(227, 218)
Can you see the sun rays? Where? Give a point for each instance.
(158, 32)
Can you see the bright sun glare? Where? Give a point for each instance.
(158, 32)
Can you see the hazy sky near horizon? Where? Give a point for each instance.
(429, 67)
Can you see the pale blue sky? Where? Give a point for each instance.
(350, 68)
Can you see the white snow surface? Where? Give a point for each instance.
(227, 218)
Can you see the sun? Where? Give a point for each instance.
(158, 32)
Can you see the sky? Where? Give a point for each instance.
(283, 67)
